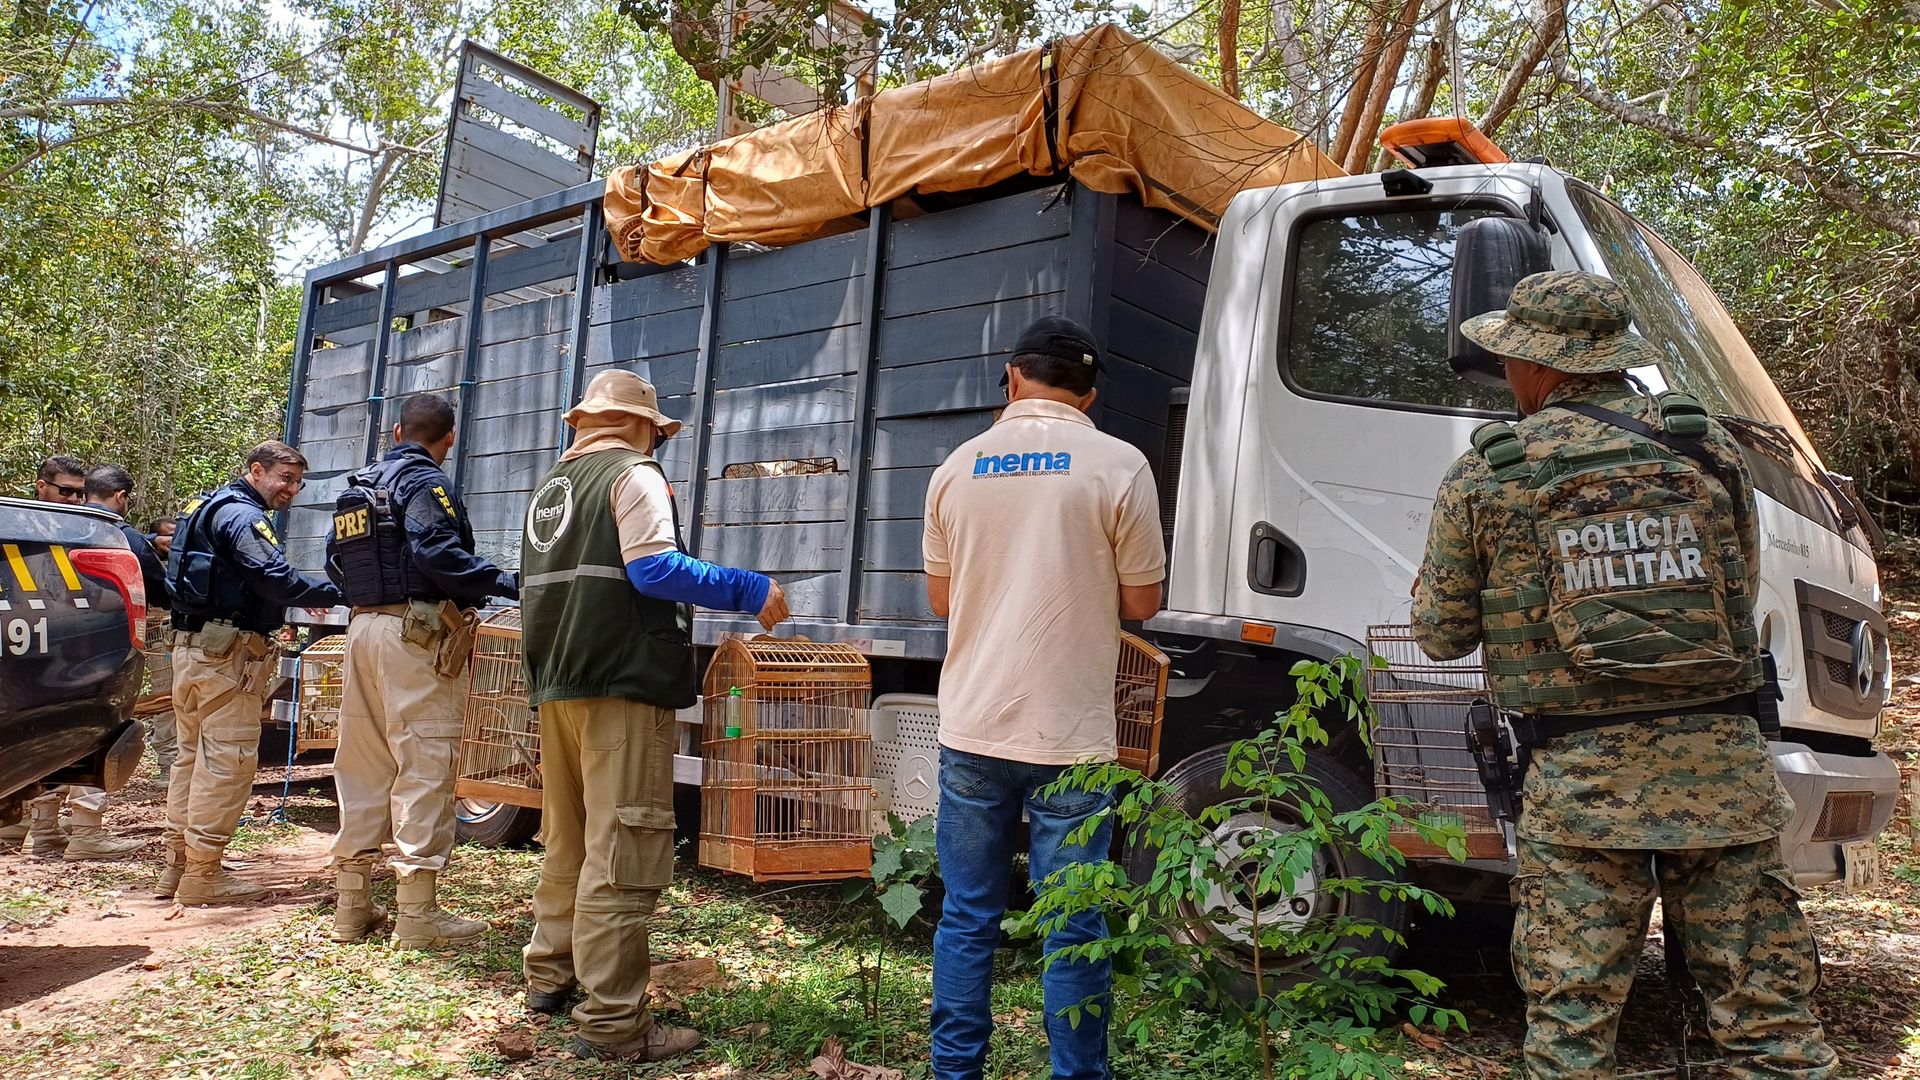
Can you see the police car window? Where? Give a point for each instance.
(1673, 307)
(1368, 315)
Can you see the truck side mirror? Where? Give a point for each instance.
(1490, 257)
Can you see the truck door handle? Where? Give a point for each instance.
(1275, 564)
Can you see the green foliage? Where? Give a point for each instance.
(1312, 978)
(904, 860)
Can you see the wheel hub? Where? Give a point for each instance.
(1230, 906)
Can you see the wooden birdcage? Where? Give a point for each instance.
(322, 677)
(500, 743)
(787, 749)
(1139, 703)
(1418, 712)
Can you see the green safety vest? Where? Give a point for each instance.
(1634, 593)
(586, 632)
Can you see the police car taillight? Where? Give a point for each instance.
(118, 568)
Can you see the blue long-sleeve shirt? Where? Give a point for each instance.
(683, 579)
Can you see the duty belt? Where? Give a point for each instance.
(192, 639)
(1532, 730)
(382, 609)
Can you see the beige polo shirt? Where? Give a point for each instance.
(1038, 522)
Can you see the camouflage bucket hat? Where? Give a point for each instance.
(1568, 320)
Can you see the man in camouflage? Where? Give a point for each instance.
(1676, 802)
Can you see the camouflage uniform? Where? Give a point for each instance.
(1687, 808)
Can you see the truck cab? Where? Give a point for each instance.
(1324, 412)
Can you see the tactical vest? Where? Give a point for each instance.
(367, 550)
(201, 588)
(586, 631)
(1635, 593)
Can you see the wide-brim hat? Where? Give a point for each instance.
(615, 392)
(1567, 320)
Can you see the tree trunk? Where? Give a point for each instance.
(1435, 67)
(1546, 34)
(1293, 61)
(1230, 47)
(1368, 62)
(1384, 81)
(370, 205)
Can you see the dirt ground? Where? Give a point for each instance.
(73, 935)
(98, 978)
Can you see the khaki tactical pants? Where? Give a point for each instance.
(606, 767)
(161, 733)
(218, 702)
(1581, 920)
(399, 743)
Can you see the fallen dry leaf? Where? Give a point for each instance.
(1431, 1042)
(832, 1064)
(515, 1044)
(174, 914)
(679, 978)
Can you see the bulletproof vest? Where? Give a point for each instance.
(200, 587)
(1634, 591)
(367, 553)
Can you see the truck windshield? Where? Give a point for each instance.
(1674, 308)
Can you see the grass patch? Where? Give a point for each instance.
(288, 1002)
(25, 908)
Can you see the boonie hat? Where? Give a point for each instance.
(1568, 320)
(1060, 337)
(623, 392)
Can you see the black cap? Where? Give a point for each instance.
(1057, 336)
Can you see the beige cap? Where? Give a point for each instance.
(623, 392)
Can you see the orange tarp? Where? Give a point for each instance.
(1123, 117)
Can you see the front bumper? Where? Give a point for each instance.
(1836, 799)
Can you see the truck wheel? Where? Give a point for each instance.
(494, 824)
(1196, 781)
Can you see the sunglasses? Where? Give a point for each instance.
(69, 492)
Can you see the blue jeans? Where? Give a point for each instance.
(980, 802)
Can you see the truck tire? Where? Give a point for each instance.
(494, 824)
(1196, 780)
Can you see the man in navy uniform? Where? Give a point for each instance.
(231, 585)
(402, 552)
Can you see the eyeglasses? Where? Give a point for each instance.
(69, 492)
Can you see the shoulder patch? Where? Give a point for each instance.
(266, 530)
(193, 504)
(440, 492)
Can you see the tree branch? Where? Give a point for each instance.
(1546, 34)
(1836, 188)
(223, 110)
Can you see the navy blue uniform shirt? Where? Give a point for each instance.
(244, 545)
(439, 536)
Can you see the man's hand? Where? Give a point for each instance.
(774, 611)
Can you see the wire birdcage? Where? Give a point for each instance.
(323, 672)
(787, 748)
(1418, 709)
(1139, 703)
(500, 742)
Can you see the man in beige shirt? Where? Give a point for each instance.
(1042, 534)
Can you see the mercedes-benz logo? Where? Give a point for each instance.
(1865, 650)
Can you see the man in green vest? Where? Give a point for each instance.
(606, 609)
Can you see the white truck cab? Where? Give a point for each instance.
(1323, 413)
